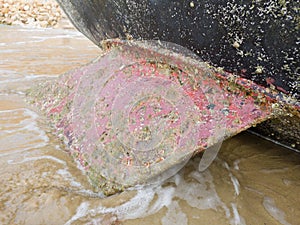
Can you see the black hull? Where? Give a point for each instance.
(256, 39)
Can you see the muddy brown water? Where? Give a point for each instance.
(252, 181)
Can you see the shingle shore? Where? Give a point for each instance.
(35, 13)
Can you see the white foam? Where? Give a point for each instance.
(234, 180)
(68, 176)
(24, 149)
(82, 210)
(237, 219)
(37, 158)
(28, 78)
(236, 164)
(235, 183)
(278, 170)
(79, 188)
(134, 208)
(38, 39)
(225, 164)
(275, 212)
(25, 135)
(27, 117)
(200, 192)
(254, 191)
(165, 196)
(174, 215)
(139, 206)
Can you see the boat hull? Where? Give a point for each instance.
(257, 40)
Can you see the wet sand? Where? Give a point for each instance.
(251, 182)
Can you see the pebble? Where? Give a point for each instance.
(34, 13)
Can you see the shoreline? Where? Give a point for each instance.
(33, 13)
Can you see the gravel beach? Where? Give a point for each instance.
(34, 13)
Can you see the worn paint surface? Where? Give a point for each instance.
(144, 107)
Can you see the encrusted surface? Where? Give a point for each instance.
(143, 109)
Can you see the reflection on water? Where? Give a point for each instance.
(251, 182)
